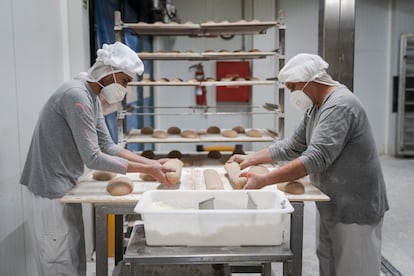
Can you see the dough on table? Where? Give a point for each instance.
(103, 175)
(173, 130)
(233, 173)
(175, 165)
(147, 130)
(160, 134)
(253, 133)
(293, 187)
(213, 130)
(189, 134)
(229, 133)
(121, 185)
(212, 180)
(146, 177)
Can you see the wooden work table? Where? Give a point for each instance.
(94, 192)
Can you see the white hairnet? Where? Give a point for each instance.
(304, 68)
(114, 58)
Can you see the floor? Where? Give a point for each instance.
(398, 227)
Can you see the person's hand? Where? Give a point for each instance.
(158, 171)
(242, 159)
(254, 180)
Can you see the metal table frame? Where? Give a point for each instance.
(102, 210)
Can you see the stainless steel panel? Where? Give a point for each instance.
(336, 38)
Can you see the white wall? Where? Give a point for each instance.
(36, 58)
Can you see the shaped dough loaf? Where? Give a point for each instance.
(103, 175)
(212, 180)
(293, 187)
(119, 186)
(233, 173)
(175, 165)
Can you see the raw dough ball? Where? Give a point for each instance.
(161, 134)
(147, 130)
(213, 130)
(175, 154)
(238, 129)
(148, 154)
(103, 175)
(229, 133)
(214, 154)
(293, 187)
(173, 130)
(189, 134)
(119, 186)
(253, 133)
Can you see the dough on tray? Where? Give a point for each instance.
(160, 134)
(212, 180)
(213, 130)
(238, 129)
(103, 175)
(176, 166)
(233, 173)
(189, 134)
(147, 130)
(173, 130)
(229, 133)
(254, 133)
(258, 169)
(121, 185)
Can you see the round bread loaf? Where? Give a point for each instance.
(229, 133)
(254, 133)
(147, 130)
(148, 154)
(213, 130)
(293, 187)
(160, 134)
(189, 134)
(214, 154)
(175, 154)
(121, 185)
(173, 130)
(103, 175)
(238, 129)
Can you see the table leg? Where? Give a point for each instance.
(296, 237)
(119, 238)
(101, 240)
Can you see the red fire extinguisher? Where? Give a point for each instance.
(200, 91)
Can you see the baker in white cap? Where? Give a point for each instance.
(334, 145)
(71, 133)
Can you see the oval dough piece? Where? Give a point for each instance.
(119, 186)
(213, 130)
(175, 165)
(160, 134)
(147, 130)
(238, 129)
(173, 130)
(233, 173)
(146, 177)
(189, 134)
(254, 133)
(212, 180)
(293, 187)
(103, 175)
(229, 133)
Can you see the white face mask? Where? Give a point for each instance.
(300, 100)
(114, 92)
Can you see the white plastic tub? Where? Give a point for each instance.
(173, 218)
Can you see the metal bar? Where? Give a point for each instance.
(119, 238)
(296, 237)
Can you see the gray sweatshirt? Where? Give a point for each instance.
(335, 144)
(70, 133)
